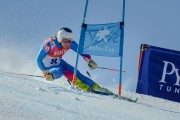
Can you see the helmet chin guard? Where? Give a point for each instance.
(64, 33)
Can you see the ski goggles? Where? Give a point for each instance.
(67, 41)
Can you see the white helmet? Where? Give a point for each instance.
(64, 33)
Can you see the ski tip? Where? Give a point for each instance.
(134, 99)
(130, 99)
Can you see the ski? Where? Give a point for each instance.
(132, 99)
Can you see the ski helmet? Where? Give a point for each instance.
(64, 33)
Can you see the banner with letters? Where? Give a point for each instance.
(159, 73)
(100, 39)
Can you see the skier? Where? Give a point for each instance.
(50, 61)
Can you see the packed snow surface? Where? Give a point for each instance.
(28, 98)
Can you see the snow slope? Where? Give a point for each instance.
(26, 98)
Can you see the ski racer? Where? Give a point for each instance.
(50, 62)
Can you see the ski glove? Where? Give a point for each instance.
(48, 75)
(92, 64)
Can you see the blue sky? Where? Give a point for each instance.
(25, 24)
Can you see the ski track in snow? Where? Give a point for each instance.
(26, 98)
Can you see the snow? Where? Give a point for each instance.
(28, 98)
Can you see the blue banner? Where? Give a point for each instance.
(159, 74)
(100, 39)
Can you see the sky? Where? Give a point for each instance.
(23, 98)
(24, 25)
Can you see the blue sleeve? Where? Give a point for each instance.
(43, 52)
(74, 47)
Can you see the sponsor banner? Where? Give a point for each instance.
(100, 39)
(159, 73)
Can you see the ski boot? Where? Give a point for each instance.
(98, 89)
(80, 85)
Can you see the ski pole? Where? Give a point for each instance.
(88, 74)
(110, 69)
(25, 74)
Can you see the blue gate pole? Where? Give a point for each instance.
(77, 58)
(121, 49)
